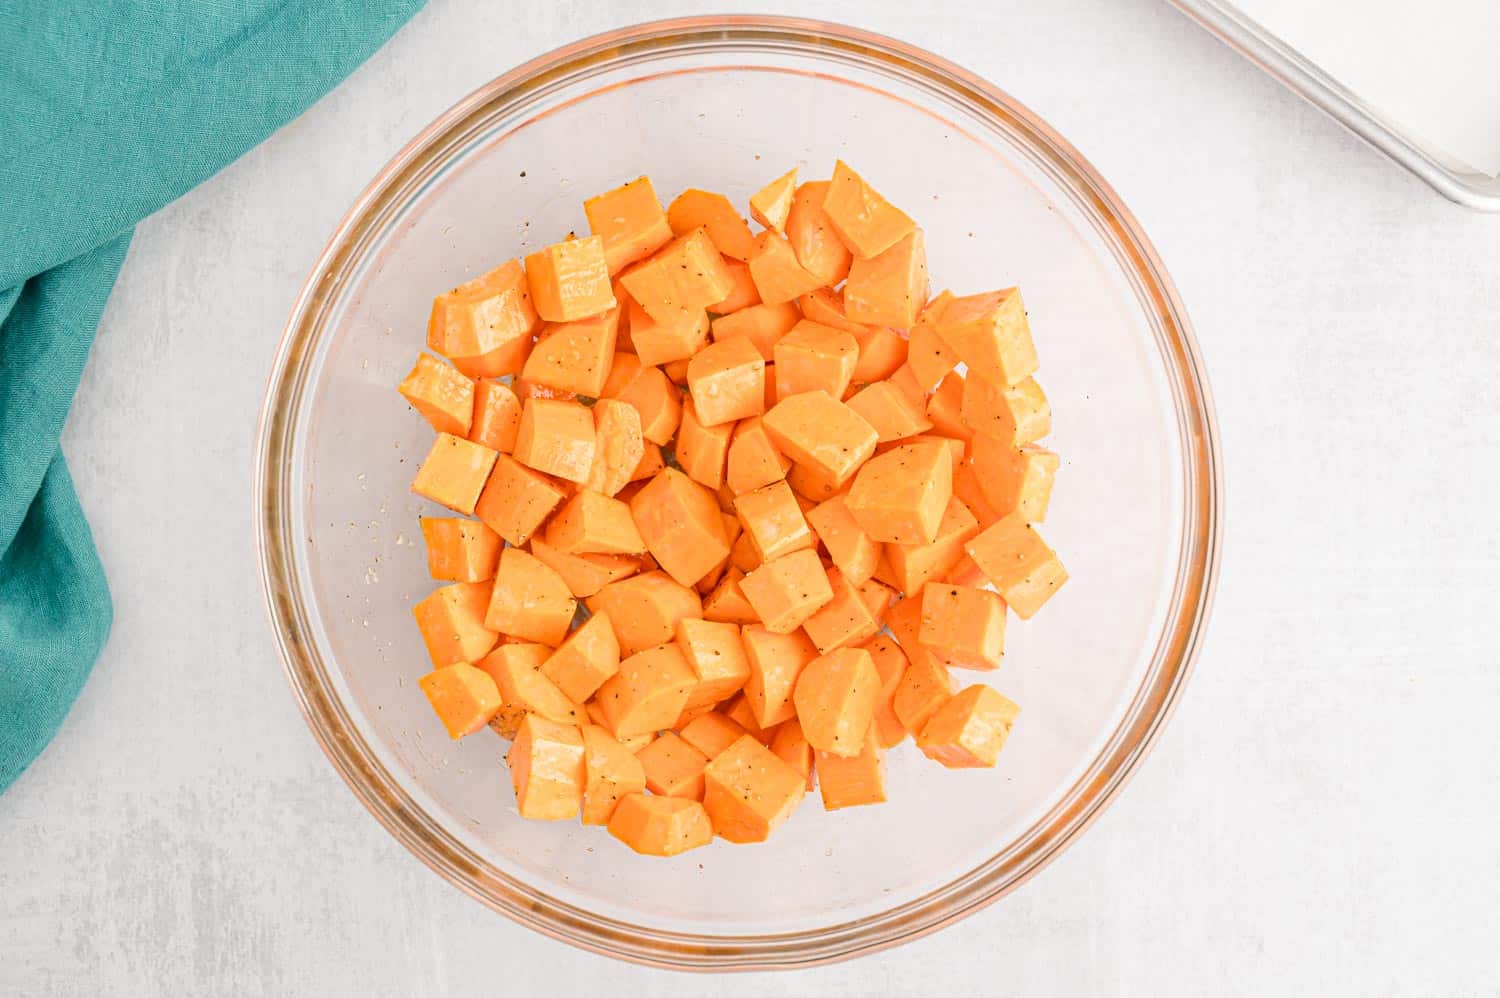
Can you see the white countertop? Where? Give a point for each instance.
(1319, 817)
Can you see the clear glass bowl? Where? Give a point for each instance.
(728, 103)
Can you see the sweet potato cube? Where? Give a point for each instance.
(789, 745)
(744, 294)
(848, 781)
(547, 769)
(899, 497)
(990, 334)
(878, 596)
(497, 416)
(630, 222)
(891, 664)
(618, 447)
(817, 430)
(516, 670)
(452, 623)
(1016, 416)
(970, 729)
(673, 767)
(1014, 557)
(727, 602)
(484, 326)
(575, 356)
(686, 275)
(761, 324)
(889, 289)
(924, 687)
(812, 357)
(741, 712)
(915, 565)
(835, 700)
(945, 408)
(650, 466)
(655, 399)
(680, 523)
(711, 733)
(462, 697)
(817, 245)
(753, 461)
(460, 550)
(727, 381)
(963, 627)
(853, 552)
(670, 340)
(589, 656)
(890, 410)
(442, 395)
(773, 521)
(649, 691)
(694, 209)
(590, 523)
(776, 660)
(454, 472)
(610, 771)
(788, 590)
(965, 573)
(928, 354)
(530, 600)
(845, 620)
(866, 222)
(569, 280)
(644, 609)
(1014, 480)
(557, 438)
(716, 655)
(777, 274)
(702, 451)
(771, 205)
(882, 352)
(516, 500)
(749, 791)
(660, 826)
(968, 490)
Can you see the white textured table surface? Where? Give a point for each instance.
(1319, 817)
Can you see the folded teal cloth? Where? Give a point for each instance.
(111, 110)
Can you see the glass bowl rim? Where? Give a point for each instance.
(1177, 648)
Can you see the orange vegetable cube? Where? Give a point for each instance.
(727, 602)
(619, 447)
(547, 769)
(727, 381)
(835, 700)
(761, 324)
(773, 521)
(589, 656)
(970, 729)
(650, 466)
(497, 416)
(629, 221)
(965, 573)
(1014, 557)
(882, 352)
(673, 767)
(484, 326)
(460, 550)
(749, 791)
(817, 430)
(660, 826)
(1016, 416)
(928, 354)
(741, 712)
(788, 590)
(701, 450)
(846, 619)
(653, 397)
(776, 660)
(905, 621)
(530, 600)
(454, 472)
(575, 356)
(744, 555)
(878, 596)
(463, 698)
(1015, 480)
(711, 733)
(817, 245)
(676, 338)
(853, 552)
(775, 270)
(694, 209)
(610, 771)
(899, 497)
(924, 687)
(990, 334)
(680, 523)
(686, 275)
(891, 664)
(866, 222)
(557, 438)
(906, 381)
(442, 395)
(744, 294)
(945, 406)
(644, 609)
(569, 280)
(891, 411)
(516, 670)
(753, 461)
(676, 371)
(962, 627)
(716, 654)
(915, 565)
(968, 490)
(789, 745)
(848, 781)
(771, 205)
(590, 523)
(825, 306)
(516, 500)
(649, 691)
(890, 288)
(452, 623)
(812, 358)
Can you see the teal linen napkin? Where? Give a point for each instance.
(111, 110)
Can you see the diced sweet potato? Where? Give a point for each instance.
(454, 472)
(650, 466)
(585, 574)
(889, 289)
(569, 280)
(497, 416)
(463, 697)
(575, 356)
(777, 274)
(835, 700)
(460, 550)
(485, 325)
(750, 791)
(890, 411)
(970, 729)
(761, 324)
(547, 769)
(882, 352)
(686, 275)
(660, 826)
(914, 565)
(990, 334)
(716, 655)
(680, 523)
(866, 222)
(1016, 416)
(530, 600)
(702, 451)
(727, 381)
(945, 408)
(753, 461)
(812, 357)
(673, 767)
(590, 523)
(452, 622)
(891, 664)
(610, 771)
(1023, 568)
(773, 521)
(618, 447)
(928, 355)
(711, 733)
(776, 660)
(851, 549)
(556, 437)
(788, 590)
(644, 609)
(667, 341)
(789, 744)
(727, 602)
(845, 620)
(588, 656)
(924, 687)
(630, 221)
(817, 430)
(654, 398)
(817, 245)
(516, 500)
(899, 497)
(968, 490)
(649, 691)
(442, 395)
(963, 627)
(771, 205)
(848, 781)
(965, 573)
(1015, 480)
(516, 670)
(695, 209)
(744, 295)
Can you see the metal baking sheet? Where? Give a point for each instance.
(1450, 178)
